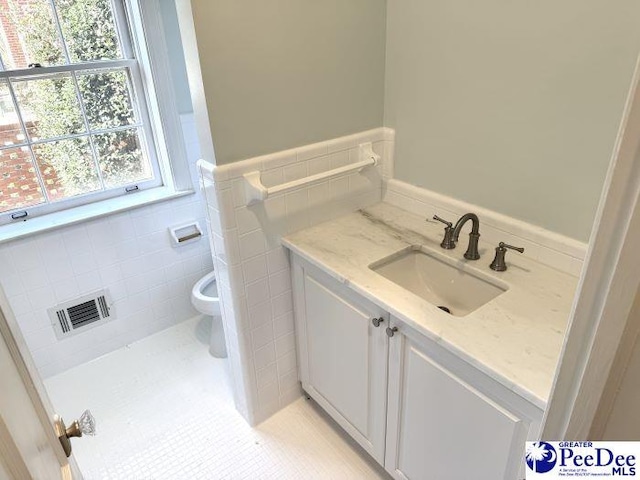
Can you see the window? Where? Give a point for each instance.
(75, 126)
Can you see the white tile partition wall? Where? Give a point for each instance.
(253, 268)
(550, 248)
(129, 253)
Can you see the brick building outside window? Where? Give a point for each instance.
(76, 126)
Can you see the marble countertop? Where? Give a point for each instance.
(516, 338)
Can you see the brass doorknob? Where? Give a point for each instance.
(85, 425)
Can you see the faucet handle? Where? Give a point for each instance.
(510, 247)
(448, 224)
(498, 264)
(447, 242)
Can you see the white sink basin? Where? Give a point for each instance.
(439, 280)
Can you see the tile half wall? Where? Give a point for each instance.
(253, 268)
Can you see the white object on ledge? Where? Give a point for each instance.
(185, 234)
(206, 168)
(257, 192)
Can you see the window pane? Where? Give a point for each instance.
(121, 158)
(19, 187)
(10, 130)
(107, 99)
(4, 46)
(89, 29)
(28, 34)
(67, 167)
(49, 106)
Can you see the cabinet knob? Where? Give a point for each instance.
(391, 331)
(377, 321)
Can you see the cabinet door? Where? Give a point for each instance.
(441, 428)
(343, 356)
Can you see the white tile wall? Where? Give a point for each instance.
(253, 268)
(129, 253)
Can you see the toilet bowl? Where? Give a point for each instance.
(204, 298)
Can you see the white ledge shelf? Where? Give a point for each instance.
(72, 216)
(256, 192)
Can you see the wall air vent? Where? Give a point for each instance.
(81, 314)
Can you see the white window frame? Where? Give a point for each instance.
(142, 40)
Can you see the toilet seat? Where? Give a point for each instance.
(204, 295)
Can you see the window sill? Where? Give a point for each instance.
(17, 230)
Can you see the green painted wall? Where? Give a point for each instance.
(513, 106)
(284, 73)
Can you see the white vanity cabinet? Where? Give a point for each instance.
(343, 355)
(449, 421)
(421, 411)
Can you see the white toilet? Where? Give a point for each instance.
(204, 297)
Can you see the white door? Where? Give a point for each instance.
(29, 447)
(343, 357)
(441, 428)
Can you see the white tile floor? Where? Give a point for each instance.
(164, 410)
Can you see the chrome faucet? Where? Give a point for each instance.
(452, 234)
